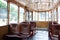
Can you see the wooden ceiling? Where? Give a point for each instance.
(32, 9)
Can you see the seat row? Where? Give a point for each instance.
(21, 30)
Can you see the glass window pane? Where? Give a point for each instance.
(13, 13)
(26, 16)
(34, 16)
(42, 16)
(55, 17)
(47, 18)
(37, 16)
(30, 16)
(21, 14)
(58, 14)
(3, 12)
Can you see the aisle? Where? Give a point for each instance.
(40, 35)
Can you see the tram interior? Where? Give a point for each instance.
(29, 19)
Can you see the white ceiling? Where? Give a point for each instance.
(39, 4)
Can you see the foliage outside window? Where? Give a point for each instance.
(3, 12)
(13, 13)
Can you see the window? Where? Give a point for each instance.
(34, 16)
(26, 16)
(51, 16)
(13, 13)
(37, 16)
(3, 12)
(59, 14)
(42, 16)
(47, 16)
(54, 15)
(21, 14)
(30, 16)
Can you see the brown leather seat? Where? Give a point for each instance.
(24, 28)
(33, 24)
(12, 28)
(54, 30)
(33, 27)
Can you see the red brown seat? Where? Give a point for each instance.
(24, 28)
(54, 29)
(33, 27)
(12, 28)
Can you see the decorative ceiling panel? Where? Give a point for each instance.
(39, 4)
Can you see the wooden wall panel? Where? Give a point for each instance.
(3, 30)
(42, 24)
